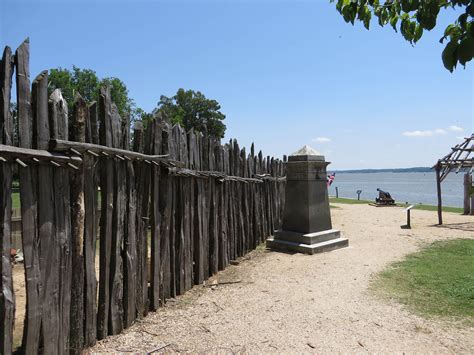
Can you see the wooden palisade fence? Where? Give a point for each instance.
(175, 208)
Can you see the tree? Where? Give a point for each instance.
(192, 109)
(86, 82)
(412, 17)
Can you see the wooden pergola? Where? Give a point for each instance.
(459, 159)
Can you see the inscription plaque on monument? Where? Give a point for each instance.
(307, 223)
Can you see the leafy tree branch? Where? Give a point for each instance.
(412, 17)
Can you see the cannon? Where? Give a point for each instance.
(384, 198)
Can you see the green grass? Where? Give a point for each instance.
(435, 208)
(437, 281)
(16, 200)
(351, 201)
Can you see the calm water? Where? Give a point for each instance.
(404, 187)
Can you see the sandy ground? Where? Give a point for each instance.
(299, 303)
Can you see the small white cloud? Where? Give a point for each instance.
(456, 128)
(427, 133)
(418, 133)
(460, 138)
(321, 140)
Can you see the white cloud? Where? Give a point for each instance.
(460, 138)
(322, 140)
(427, 133)
(418, 133)
(456, 128)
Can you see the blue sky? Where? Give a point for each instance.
(287, 73)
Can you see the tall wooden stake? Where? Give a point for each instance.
(467, 185)
(438, 188)
(7, 298)
(78, 133)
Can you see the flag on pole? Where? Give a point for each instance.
(331, 179)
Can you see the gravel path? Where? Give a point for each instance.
(299, 303)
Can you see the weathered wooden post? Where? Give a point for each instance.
(307, 226)
(7, 297)
(471, 194)
(78, 134)
(28, 183)
(438, 190)
(467, 187)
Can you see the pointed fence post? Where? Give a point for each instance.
(7, 297)
(77, 134)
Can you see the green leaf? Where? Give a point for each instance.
(448, 30)
(465, 50)
(414, 5)
(405, 30)
(406, 6)
(368, 17)
(349, 12)
(418, 33)
(470, 10)
(393, 22)
(449, 56)
(463, 19)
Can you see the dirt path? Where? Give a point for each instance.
(299, 303)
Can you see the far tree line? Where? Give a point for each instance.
(189, 108)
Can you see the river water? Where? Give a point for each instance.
(404, 187)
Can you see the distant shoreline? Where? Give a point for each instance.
(419, 169)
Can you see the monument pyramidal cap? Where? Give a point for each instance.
(306, 150)
(307, 226)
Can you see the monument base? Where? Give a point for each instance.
(309, 243)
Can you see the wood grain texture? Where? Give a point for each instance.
(58, 117)
(7, 296)
(78, 134)
(48, 251)
(28, 181)
(90, 230)
(107, 209)
(130, 262)
(118, 229)
(164, 205)
(142, 221)
(160, 219)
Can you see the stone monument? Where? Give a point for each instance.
(307, 226)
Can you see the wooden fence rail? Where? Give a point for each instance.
(174, 210)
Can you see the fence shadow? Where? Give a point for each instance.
(465, 226)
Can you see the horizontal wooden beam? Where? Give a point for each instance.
(221, 176)
(100, 150)
(455, 163)
(22, 155)
(463, 149)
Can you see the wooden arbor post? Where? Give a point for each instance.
(467, 197)
(438, 189)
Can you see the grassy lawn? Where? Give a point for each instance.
(437, 281)
(16, 200)
(349, 201)
(435, 208)
(420, 206)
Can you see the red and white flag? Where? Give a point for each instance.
(331, 179)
